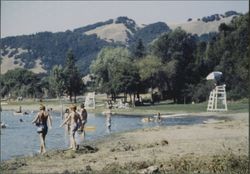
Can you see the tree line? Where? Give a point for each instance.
(176, 63)
(62, 80)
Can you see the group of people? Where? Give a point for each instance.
(75, 122)
(151, 119)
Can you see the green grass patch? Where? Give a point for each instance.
(164, 107)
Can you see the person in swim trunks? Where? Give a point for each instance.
(42, 120)
(75, 123)
(84, 115)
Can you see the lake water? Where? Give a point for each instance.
(20, 138)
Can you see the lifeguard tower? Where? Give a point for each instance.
(217, 99)
(90, 101)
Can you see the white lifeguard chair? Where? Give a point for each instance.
(217, 99)
(90, 101)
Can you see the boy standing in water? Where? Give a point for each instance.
(84, 116)
(75, 122)
(41, 120)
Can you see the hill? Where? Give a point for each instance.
(200, 27)
(41, 51)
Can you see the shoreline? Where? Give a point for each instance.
(138, 150)
(138, 111)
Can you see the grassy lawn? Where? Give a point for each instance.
(162, 107)
(235, 107)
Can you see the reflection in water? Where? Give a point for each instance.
(80, 136)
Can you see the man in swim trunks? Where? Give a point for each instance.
(84, 116)
(75, 123)
(41, 120)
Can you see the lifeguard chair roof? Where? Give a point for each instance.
(214, 75)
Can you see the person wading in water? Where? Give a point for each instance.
(75, 123)
(42, 120)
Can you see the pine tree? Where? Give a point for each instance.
(139, 51)
(73, 82)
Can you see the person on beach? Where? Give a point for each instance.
(42, 120)
(20, 110)
(75, 123)
(158, 117)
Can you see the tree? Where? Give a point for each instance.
(115, 72)
(176, 51)
(139, 50)
(20, 82)
(234, 56)
(150, 70)
(73, 81)
(57, 80)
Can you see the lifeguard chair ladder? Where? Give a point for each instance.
(90, 100)
(217, 99)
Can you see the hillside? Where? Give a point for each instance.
(111, 33)
(119, 30)
(41, 51)
(200, 27)
(174, 62)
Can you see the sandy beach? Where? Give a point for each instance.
(218, 146)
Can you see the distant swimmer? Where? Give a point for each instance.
(21, 120)
(3, 125)
(147, 119)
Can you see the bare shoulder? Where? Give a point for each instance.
(77, 114)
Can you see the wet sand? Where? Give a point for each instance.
(194, 148)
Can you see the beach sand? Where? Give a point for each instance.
(205, 148)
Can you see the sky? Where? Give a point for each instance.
(30, 17)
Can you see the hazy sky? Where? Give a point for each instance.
(27, 17)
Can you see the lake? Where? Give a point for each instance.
(20, 138)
